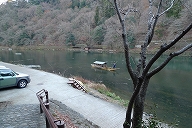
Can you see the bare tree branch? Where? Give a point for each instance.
(153, 20)
(126, 46)
(164, 48)
(126, 12)
(183, 50)
(172, 3)
(179, 37)
(142, 74)
(151, 27)
(171, 56)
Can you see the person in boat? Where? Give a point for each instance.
(114, 65)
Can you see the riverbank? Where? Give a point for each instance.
(101, 91)
(172, 103)
(150, 51)
(98, 111)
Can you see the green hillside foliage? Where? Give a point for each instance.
(98, 35)
(175, 10)
(68, 22)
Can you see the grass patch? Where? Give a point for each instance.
(102, 89)
(114, 97)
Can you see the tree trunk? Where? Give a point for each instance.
(136, 121)
(138, 112)
(127, 123)
(139, 105)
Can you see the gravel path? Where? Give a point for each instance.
(29, 116)
(21, 116)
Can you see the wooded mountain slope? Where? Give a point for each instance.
(89, 22)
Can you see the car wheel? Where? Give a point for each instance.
(22, 84)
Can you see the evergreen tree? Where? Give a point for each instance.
(107, 9)
(75, 3)
(99, 34)
(96, 16)
(70, 39)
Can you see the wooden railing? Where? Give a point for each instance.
(44, 108)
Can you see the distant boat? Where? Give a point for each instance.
(33, 66)
(103, 65)
(17, 53)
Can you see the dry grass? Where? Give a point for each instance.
(90, 84)
(101, 91)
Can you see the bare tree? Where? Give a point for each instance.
(144, 71)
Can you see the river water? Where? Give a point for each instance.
(169, 94)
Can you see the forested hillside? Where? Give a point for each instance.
(90, 22)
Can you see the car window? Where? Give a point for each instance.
(6, 72)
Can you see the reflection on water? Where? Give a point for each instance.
(169, 93)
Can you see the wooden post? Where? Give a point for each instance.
(41, 111)
(60, 123)
(47, 122)
(47, 98)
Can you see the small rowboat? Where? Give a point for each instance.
(103, 66)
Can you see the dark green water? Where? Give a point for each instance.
(169, 94)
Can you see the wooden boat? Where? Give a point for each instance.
(103, 66)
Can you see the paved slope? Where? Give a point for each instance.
(98, 111)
